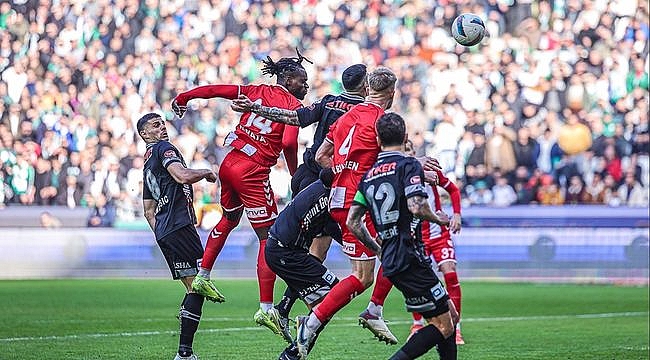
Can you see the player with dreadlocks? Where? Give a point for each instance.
(244, 173)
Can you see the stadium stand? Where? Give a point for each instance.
(553, 109)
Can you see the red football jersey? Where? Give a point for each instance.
(355, 151)
(432, 230)
(256, 136)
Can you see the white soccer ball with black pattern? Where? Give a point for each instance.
(468, 29)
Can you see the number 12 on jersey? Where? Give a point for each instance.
(263, 124)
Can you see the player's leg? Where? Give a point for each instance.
(257, 196)
(182, 250)
(423, 292)
(232, 168)
(444, 254)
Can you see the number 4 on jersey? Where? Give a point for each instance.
(347, 143)
(263, 124)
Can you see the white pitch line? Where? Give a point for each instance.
(349, 323)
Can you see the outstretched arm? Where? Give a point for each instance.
(244, 104)
(183, 175)
(179, 104)
(357, 226)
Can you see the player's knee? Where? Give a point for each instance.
(443, 323)
(448, 267)
(234, 215)
(365, 278)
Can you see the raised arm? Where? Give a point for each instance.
(244, 104)
(419, 206)
(357, 226)
(179, 104)
(183, 175)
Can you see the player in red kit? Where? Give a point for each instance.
(244, 173)
(438, 243)
(350, 149)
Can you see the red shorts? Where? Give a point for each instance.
(440, 248)
(352, 247)
(245, 183)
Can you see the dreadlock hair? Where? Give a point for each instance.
(284, 66)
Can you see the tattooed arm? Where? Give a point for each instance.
(244, 104)
(357, 226)
(419, 206)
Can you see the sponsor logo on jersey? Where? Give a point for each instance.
(415, 179)
(169, 153)
(319, 208)
(256, 213)
(381, 170)
(252, 135)
(348, 248)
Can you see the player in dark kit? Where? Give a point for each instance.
(168, 207)
(287, 250)
(244, 173)
(393, 192)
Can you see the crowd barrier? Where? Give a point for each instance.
(564, 244)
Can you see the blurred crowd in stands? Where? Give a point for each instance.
(551, 109)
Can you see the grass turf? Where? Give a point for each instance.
(135, 319)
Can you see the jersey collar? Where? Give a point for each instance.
(385, 154)
(352, 97)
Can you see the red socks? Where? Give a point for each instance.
(216, 240)
(382, 288)
(265, 276)
(340, 295)
(453, 289)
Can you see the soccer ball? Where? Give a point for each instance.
(468, 29)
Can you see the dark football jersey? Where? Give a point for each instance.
(324, 112)
(305, 217)
(175, 201)
(383, 190)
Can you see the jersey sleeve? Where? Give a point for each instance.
(413, 178)
(360, 199)
(168, 154)
(311, 114)
(208, 92)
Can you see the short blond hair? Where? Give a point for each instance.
(381, 79)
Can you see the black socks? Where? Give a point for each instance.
(190, 315)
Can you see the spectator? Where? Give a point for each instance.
(481, 195)
(632, 193)
(574, 193)
(102, 213)
(69, 193)
(73, 79)
(503, 194)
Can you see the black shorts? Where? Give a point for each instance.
(302, 272)
(183, 251)
(422, 290)
(302, 178)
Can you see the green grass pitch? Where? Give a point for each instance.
(135, 319)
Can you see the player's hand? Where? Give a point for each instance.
(454, 224)
(429, 163)
(179, 110)
(211, 177)
(431, 178)
(242, 104)
(443, 219)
